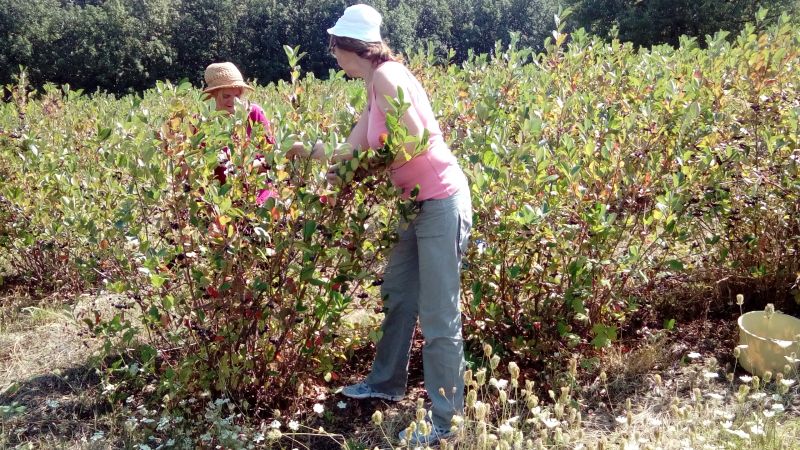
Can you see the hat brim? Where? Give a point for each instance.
(234, 85)
(345, 31)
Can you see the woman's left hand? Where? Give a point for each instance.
(297, 149)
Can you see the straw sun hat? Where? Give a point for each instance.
(223, 75)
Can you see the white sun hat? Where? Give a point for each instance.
(360, 22)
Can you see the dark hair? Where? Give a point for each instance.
(376, 52)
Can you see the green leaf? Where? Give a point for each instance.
(147, 353)
(157, 280)
(103, 134)
(308, 229)
(674, 264)
(604, 335)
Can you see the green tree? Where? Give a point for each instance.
(652, 22)
(25, 30)
(207, 31)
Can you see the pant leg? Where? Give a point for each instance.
(443, 229)
(399, 291)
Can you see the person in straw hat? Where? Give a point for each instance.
(421, 279)
(226, 86)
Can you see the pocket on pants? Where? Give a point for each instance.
(464, 229)
(435, 220)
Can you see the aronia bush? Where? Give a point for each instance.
(598, 172)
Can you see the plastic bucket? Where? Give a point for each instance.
(770, 339)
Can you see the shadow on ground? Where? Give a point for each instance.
(64, 406)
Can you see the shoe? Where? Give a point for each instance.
(363, 390)
(417, 438)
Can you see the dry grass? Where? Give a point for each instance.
(47, 385)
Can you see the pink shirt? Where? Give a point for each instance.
(436, 170)
(256, 115)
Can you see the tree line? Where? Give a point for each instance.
(126, 45)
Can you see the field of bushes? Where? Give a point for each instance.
(612, 188)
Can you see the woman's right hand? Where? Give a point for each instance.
(332, 176)
(342, 154)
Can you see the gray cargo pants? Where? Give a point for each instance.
(422, 279)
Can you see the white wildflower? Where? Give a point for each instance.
(693, 355)
(341, 405)
(653, 421)
(551, 422)
(276, 425)
(318, 408)
(746, 378)
(740, 433)
(293, 425)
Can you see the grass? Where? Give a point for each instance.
(652, 396)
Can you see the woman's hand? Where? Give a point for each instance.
(299, 149)
(318, 151)
(332, 176)
(343, 153)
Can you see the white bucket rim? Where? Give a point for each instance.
(766, 339)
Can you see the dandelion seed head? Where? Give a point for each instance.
(274, 435)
